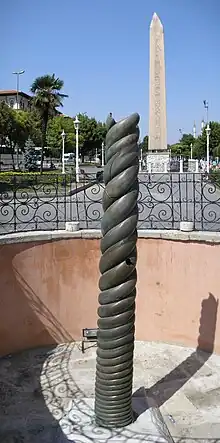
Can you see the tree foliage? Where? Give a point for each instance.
(47, 97)
(187, 140)
(6, 123)
(199, 149)
(91, 135)
(144, 144)
(183, 147)
(54, 139)
(216, 151)
(34, 122)
(176, 149)
(14, 129)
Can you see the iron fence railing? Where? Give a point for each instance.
(46, 202)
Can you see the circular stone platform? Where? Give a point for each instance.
(47, 395)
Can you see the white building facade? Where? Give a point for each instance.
(15, 100)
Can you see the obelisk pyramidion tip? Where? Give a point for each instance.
(156, 21)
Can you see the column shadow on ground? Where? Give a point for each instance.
(167, 386)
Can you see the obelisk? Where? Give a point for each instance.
(157, 96)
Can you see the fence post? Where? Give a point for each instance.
(14, 191)
(181, 166)
(165, 167)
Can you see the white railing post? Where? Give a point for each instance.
(165, 167)
(197, 166)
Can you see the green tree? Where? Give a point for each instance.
(47, 97)
(183, 147)
(216, 151)
(199, 149)
(176, 149)
(187, 139)
(23, 128)
(144, 144)
(6, 122)
(54, 139)
(91, 135)
(34, 123)
(14, 129)
(185, 142)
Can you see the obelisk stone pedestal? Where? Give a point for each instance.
(158, 162)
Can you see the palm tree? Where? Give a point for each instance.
(47, 98)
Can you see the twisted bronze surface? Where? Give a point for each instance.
(114, 368)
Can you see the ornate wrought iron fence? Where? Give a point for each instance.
(31, 201)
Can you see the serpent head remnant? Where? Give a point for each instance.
(116, 312)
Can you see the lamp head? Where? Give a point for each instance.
(208, 130)
(18, 72)
(76, 122)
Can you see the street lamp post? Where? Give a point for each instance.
(76, 125)
(206, 106)
(63, 135)
(141, 160)
(191, 151)
(17, 157)
(194, 130)
(103, 157)
(17, 73)
(208, 131)
(181, 134)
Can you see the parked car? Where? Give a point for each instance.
(69, 157)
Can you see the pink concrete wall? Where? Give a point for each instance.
(48, 292)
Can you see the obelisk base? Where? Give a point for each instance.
(158, 162)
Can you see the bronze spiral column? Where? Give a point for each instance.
(116, 312)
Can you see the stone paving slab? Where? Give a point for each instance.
(45, 392)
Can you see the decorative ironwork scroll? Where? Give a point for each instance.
(114, 368)
(46, 202)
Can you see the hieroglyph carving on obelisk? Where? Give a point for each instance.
(157, 98)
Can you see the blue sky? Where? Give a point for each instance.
(100, 49)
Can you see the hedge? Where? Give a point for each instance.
(22, 180)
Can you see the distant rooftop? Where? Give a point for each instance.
(9, 92)
(14, 92)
